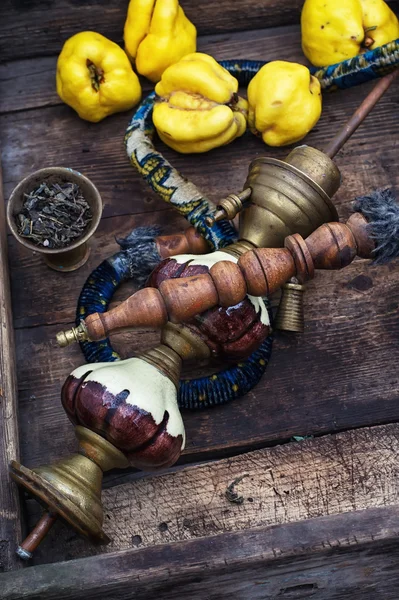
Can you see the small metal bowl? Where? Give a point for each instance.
(76, 254)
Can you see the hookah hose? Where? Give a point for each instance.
(191, 203)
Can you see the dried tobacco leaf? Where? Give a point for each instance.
(54, 215)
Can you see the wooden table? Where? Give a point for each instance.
(320, 516)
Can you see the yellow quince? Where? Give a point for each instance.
(95, 77)
(335, 30)
(157, 34)
(198, 107)
(284, 102)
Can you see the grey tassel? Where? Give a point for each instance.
(381, 209)
(141, 252)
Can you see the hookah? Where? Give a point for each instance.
(125, 412)
(280, 197)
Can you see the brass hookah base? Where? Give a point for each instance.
(70, 489)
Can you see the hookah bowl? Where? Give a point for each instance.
(76, 254)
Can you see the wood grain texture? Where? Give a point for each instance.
(335, 377)
(39, 28)
(10, 524)
(341, 374)
(55, 136)
(30, 82)
(353, 555)
(354, 470)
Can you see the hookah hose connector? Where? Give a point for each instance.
(70, 336)
(229, 207)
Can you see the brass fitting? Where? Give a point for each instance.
(229, 207)
(70, 336)
(290, 312)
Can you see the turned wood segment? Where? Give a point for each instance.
(145, 308)
(361, 230)
(188, 296)
(278, 266)
(333, 247)
(229, 282)
(304, 266)
(259, 272)
(188, 242)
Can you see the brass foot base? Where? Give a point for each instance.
(70, 489)
(58, 503)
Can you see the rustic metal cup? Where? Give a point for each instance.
(76, 254)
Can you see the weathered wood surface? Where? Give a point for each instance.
(30, 82)
(10, 526)
(334, 377)
(341, 374)
(337, 557)
(350, 471)
(38, 28)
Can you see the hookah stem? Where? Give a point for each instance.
(361, 113)
(37, 534)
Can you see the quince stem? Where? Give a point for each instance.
(96, 75)
(368, 40)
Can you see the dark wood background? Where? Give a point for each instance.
(341, 374)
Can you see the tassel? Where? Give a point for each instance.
(140, 252)
(381, 209)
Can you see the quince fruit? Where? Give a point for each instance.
(198, 107)
(157, 34)
(95, 77)
(335, 30)
(284, 103)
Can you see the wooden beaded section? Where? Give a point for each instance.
(259, 272)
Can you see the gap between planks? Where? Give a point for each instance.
(334, 474)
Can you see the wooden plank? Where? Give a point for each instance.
(10, 524)
(354, 470)
(55, 136)
(352, 555)
(32, 29)
(30, 82)
(341, 373)
(37, 28)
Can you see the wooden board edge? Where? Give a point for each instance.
(10, 516)
(317, 547)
